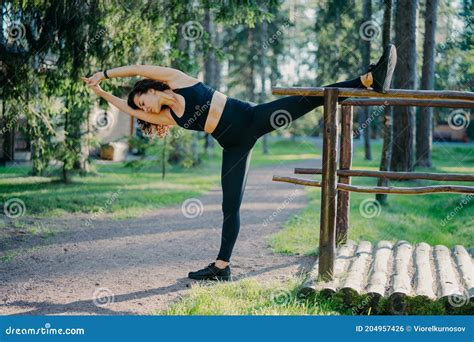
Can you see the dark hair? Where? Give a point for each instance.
(142, 87)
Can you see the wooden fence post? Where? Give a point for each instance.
(345, 162)
(327, 235)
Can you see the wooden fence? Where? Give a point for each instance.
(336, 182)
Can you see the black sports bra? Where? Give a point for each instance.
(198, 101)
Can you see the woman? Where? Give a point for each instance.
(170, 97)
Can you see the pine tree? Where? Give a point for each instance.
(424, 131)
(404, 78)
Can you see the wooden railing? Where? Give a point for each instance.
(336, 183)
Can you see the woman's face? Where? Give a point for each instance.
(149, 102)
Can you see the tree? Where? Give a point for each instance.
(388, 117)
(454, 59)
(263, 76)
(72, 63)
(337, 29)
(211, 64)
(270, 48)
(424, 131)
(365, 47)
(51, 66)
(404, 78)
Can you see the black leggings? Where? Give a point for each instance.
(239, 128)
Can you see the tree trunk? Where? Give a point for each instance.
(424, 136)
(217, 66)
(8, 137)
(210, 61)
(5, 136)
(263, 76)
(273, 72)
(196, 159)
(405, 78)
(250, 84)
(217, 63)
(365, 45)
(83, 163)
(387, 119)
(66, 178)
(37, 168)
(177, 150)
(195, 148)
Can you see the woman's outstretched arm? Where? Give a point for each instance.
(155, 72)
(159, 73)
(122, 105)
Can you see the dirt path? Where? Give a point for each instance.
(141, 265)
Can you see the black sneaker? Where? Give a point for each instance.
(211, 272)
(382, 72)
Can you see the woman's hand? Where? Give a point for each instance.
(94, 79)
(94, 87)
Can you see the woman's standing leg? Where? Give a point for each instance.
(270, 116)
(235, 165)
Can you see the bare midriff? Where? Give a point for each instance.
(215, 111)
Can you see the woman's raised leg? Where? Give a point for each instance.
(270, 116)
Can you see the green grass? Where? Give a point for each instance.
(124, 193)
(254, 297)
(251, 297)
(284, 151)
(413, 218)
